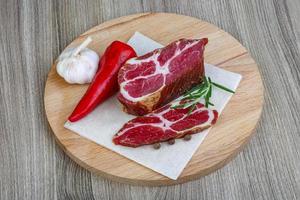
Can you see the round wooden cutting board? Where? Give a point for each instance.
(232, 131)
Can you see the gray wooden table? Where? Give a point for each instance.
(32, 34)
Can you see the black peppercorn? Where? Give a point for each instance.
(187, 137)
(172, 141)
(156, 145)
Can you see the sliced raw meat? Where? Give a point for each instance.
(165, 124)
(152, 80)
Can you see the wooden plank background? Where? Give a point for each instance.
(32, 166)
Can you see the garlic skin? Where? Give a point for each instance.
(80, 68)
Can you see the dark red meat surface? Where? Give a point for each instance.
(165, 124)
(153, 80)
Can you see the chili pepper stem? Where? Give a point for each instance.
(82, 46)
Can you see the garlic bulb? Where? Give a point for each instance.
(78, 65)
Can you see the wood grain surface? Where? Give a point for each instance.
(234, 128)
(34, 32)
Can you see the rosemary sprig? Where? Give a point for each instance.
(204, 90)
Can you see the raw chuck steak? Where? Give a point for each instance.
(156, 78)
(165, 124)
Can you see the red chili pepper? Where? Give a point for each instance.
(105, 82)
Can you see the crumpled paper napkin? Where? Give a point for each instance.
(170, 160)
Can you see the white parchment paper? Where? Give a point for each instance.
(100, 125)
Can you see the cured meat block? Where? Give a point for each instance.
(165, 124)
(156, 78)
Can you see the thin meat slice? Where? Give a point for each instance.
(156, 78)
(164, 124)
